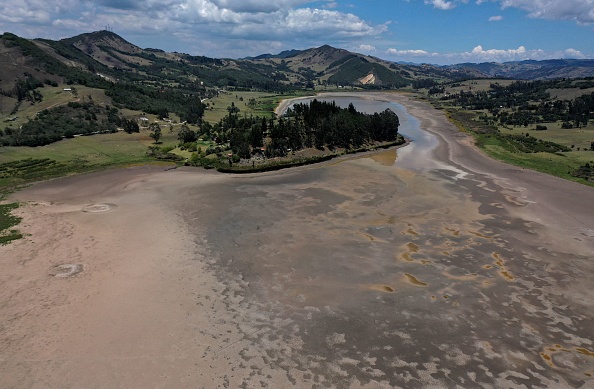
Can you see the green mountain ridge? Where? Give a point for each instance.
(99, 59)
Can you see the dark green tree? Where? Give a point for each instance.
(155, 130)
(186, 135)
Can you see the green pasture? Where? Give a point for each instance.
(561, 164)
(52, 97)
(265, 105)
(575, 138)
(474, 85)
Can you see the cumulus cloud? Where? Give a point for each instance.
(254, 6)
(190, 20)
(441, 4)
(410, 53)
(495, 18)
(479, 54)
(572, 53)
(31, 11)
(366, 48)
(582, 11)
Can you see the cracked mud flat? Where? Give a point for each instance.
(381, 271)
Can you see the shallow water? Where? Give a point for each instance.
(400, 269)
(417, 155)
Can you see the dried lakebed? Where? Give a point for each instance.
(427, 266)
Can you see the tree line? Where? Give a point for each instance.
(316, 124)
(528, 102)
(52, 125)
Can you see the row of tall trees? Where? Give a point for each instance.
(317, 124)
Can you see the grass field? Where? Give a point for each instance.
(569, 93)
(52, 97)
(475, 85)
(579, 138)
(264, 107)
(560, 164)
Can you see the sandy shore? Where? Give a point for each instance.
(352, 274)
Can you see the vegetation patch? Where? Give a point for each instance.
(522, 150)
(586, 172)
(7, 221)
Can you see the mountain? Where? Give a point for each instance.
(326, 64)
(530, 70)
(99, 58)
(282, 54)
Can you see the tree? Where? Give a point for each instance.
(186, 135)
(155, 129)
(130, 126)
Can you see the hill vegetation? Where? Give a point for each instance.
(546, 125)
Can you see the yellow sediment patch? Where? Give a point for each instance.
(381, 288)
(414, 280)
(413, 248)
(410, 231)
(453, 231)
(585, 352)
(500, 263)
(371, 237)
(481, 235)
(550, 352)
(387, 158)
(547, 359)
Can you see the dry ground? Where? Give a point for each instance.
(438, 269)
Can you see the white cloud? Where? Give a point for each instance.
(254, 6)
(495, 18)
(441, 4)
(190, 20)
(572, 53)
(479, 54)
(31, 11)
(366, 48)
(582, 11)
(410, 53)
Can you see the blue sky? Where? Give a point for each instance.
(431, 31)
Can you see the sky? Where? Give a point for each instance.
(420, 31)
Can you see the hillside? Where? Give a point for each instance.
(530, 70)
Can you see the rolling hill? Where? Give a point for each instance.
(107, 61)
